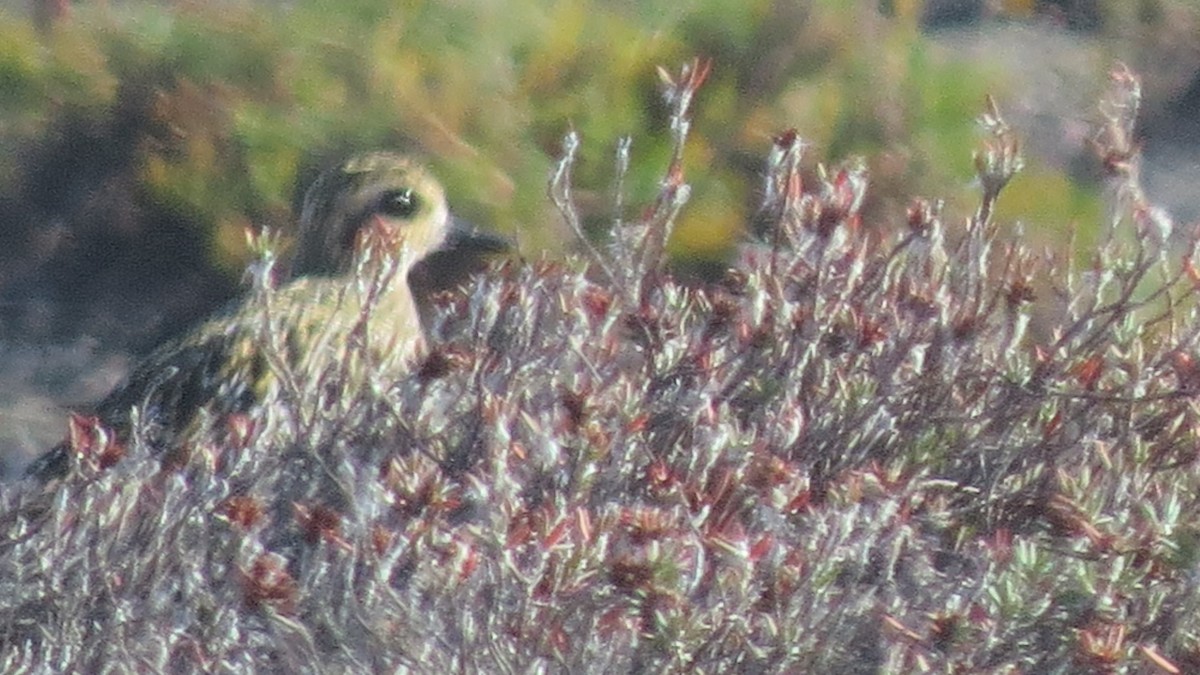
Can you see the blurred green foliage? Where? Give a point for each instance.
(223, 110)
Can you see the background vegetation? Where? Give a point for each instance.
(140, 139)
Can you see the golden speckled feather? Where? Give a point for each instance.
(363, 226)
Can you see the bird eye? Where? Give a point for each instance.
(399, 203)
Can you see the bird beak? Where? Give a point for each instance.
(464, 238)
(465, 251)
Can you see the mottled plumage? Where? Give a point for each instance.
(363, 226)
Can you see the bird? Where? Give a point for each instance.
(364, 227)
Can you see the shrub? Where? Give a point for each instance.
(857, 453)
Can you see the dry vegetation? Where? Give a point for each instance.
(853, 455)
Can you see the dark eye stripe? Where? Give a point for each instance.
(399, 203)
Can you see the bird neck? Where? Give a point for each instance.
(393, 324)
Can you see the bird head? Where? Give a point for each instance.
(379, 199)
